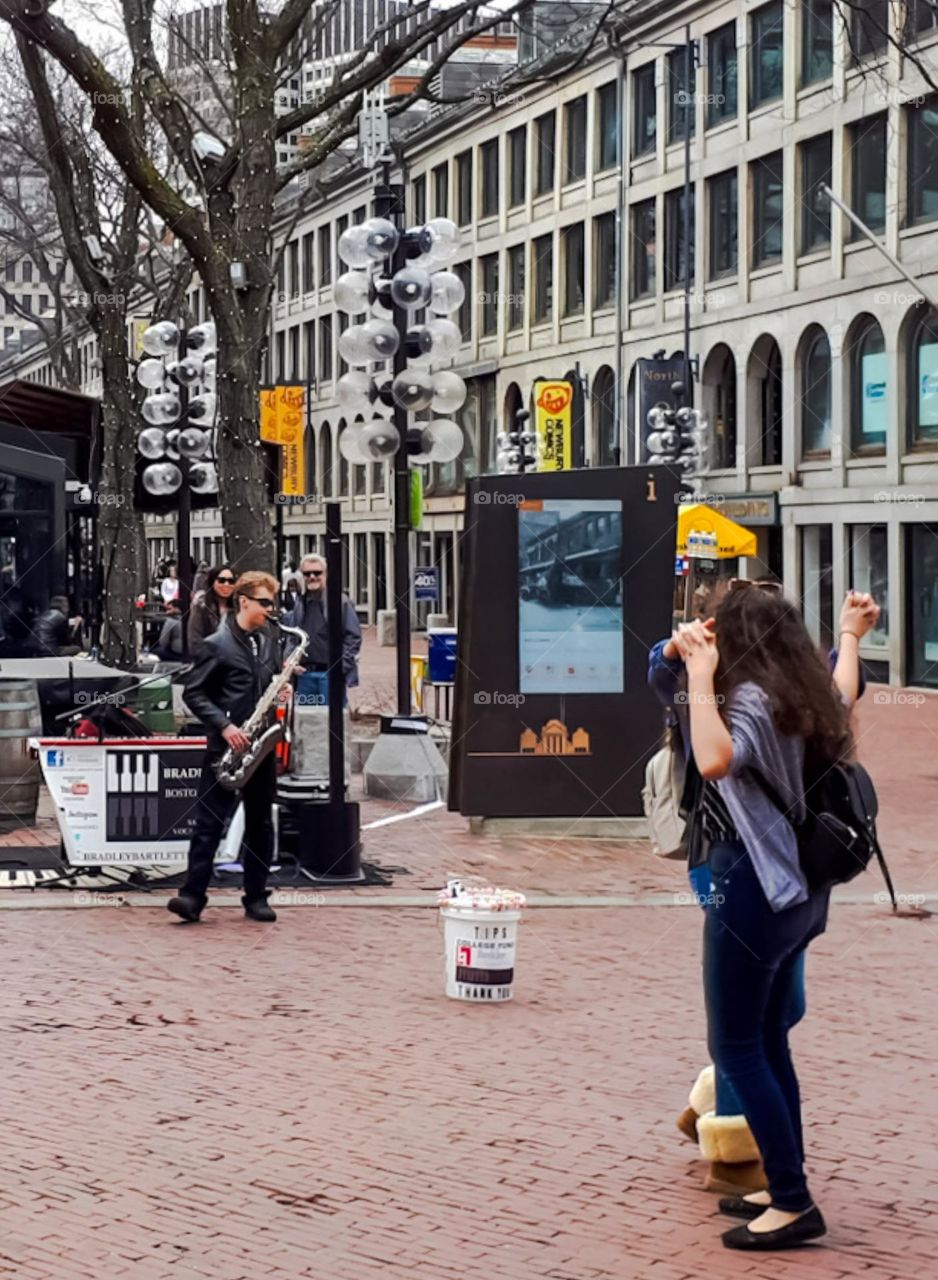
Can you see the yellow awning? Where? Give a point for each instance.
(732, 538)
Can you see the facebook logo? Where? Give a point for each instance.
(55, 759)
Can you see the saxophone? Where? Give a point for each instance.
(235, 767)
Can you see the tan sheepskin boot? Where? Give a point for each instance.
(702, 1099)
(735, 1161)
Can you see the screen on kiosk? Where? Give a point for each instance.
(570, 627)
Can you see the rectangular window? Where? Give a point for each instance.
(921, 558)
(867, 142)
(325, 348)
(309, 263)
(280, 348)
(675, 269)
(817, 582)
(574, 128)
(607, 126)
(309, 350)
(488, 156)
(767, 210)
(722, 99)
(766, 54)
(574, 269)
(516, 286)
(869, 572)
(464, 189)
(293, 268)
(27, 271)
(463, 317)
(869, 28)
(341, 226)
(817, 41)
(545, 144)
(815, 206)
(420, 200)
(644, 108)
(441, 191)
(26, 304)
(517, 166)
(345, 321)
(644, 249)
(359, 215)
(281, 287)
(921, 17)
(9, 271)
(294, 364)
(681, 95)
(723, 211)
(325, 255)
(489, 268)
(543, 251)
(923, 162)
(605, 260)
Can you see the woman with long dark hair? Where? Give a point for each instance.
(760, 700)
(210, 608)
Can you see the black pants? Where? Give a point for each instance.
(215, 806)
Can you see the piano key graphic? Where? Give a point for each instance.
(132, 781)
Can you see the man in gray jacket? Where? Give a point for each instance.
(311, 614)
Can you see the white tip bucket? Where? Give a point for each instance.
(480, 947)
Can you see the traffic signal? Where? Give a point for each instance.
(678, 438)
(517, 448)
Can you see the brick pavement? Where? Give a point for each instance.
(231, 1102)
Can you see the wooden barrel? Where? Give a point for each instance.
(20, 719)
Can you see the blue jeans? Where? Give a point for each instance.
(752, 960)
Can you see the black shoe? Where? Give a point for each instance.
(186, 907)
(739, 1207)
(808, 1227)
(260, 910)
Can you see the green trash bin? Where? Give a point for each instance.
(155, 706)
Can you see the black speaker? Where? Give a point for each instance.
(328, 844)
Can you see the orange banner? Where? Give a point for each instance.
(283, 423)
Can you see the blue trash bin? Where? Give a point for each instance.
(441, 655)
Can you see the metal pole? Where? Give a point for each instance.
(336, 677)
(183, 529)
(861, 225)
(389, 203)
(689, 63)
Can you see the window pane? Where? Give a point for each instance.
(770, 404)
(867, 142)
(870, 27)
(817, 40)
(643, 90)
(575, 130)
(724, 221)
(325, 255)
(925, 385)
(681, 91)
(768, 210)
(545, 136)
(607, 104)
(674, 262)
(574, 269)
(420, 199)
(489, 267)
(605, 258)
(815, 206)
(721, 52)
(869, 572)
(922, 559)
(441, 191)
(644, 249)
(543, 249)
(516, 286)
(817, 582)
(463, 316)
(923, 162)
(464, 189)
(766, 55)
(517, 143)
(489, 157)
(816, 397)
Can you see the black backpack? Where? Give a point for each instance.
(837, 839)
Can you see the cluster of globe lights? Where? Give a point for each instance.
(675, 446)
(162, 442)
(424, 283)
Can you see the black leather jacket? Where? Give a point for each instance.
(226, 681)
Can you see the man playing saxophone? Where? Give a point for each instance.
(232, 671)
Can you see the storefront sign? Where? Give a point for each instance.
(124, 801)
(751, 508)
(553, 420)
(427, 583)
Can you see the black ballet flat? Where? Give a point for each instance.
(808, 1227)
(738, 1207)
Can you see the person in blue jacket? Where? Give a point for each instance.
(714, 1116)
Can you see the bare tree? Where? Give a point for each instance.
(220, 202)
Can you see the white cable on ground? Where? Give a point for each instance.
(400, 817)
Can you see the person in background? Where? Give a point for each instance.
(169, 646)
(169, 587)
(55, 630)
(211, 608)
(200, 581)
(289, 571)
(292, 592)
(311, 614)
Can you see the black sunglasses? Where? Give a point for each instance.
(265, 602)
(226, 582)
(312, 573)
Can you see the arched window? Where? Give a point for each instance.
(765, 400)
(869, 388)
(343, 462)
(923, 382)
(606, 449)
(719, 380)
(815, 393)
(325, 464)
(312, 469)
